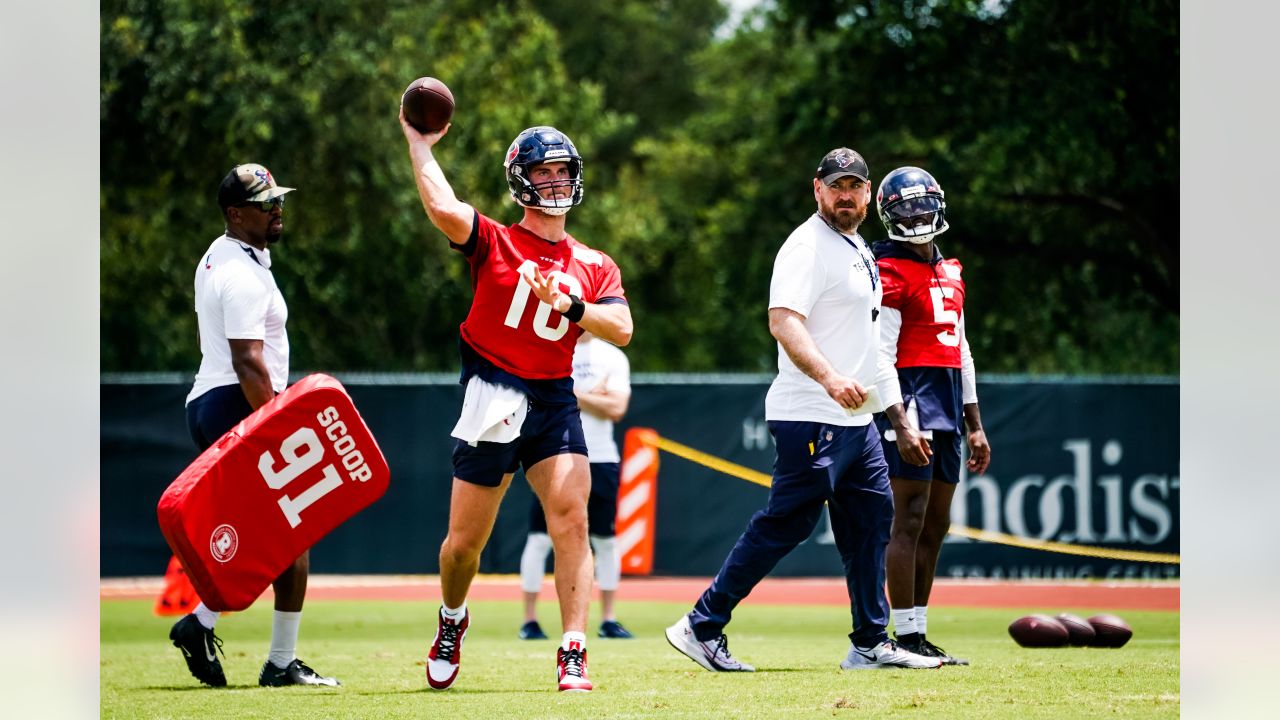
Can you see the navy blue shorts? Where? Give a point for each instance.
(548, 430)
(211, 415)
(944, 464)
(602, 505)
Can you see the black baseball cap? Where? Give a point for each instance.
(248, 183)
(841, 162)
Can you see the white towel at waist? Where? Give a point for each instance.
(490, 413)
(913, 419)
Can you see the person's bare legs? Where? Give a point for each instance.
(291, 587)
(472, 512)
(606, 605)
(562, 483)
(937, 522)
(910, 499)
(530, 607)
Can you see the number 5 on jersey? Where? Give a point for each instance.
(943, 316)
(542, 318)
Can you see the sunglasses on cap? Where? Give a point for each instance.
(265, 205)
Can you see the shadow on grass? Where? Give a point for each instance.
(318, 689)
(451, 692)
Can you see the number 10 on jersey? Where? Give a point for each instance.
(542, 318)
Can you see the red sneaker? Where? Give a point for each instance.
(446, 651)
(571, 668)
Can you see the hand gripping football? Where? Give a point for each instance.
(428, 104)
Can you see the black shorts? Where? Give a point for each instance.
(602, 504)
(547, 431)
(211, 415)
(944, 464)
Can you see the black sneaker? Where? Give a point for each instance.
(200, 648)
(297, 673)
(614, 629)
(532, 631)
(928, 648)
(912, 642)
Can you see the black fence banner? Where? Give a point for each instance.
(1091, 464)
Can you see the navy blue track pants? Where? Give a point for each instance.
(816, 463)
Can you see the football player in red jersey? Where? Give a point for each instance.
(922, 334)
(536, 290)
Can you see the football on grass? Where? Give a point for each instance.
(1080, 632)
(1037, 631)
(428, 104)
(1110, 631)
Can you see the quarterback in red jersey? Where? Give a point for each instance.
(536, 290)
(922, 335)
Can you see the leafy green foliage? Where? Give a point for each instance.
(1053, 128)
(311, 90)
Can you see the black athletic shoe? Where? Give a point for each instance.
(532, 631)
(297, 673)
(200, 648)
(928, 648)
(614, 629)
(912, 642)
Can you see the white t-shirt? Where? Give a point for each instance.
(832, 280)
(596, 360)
(237, 299)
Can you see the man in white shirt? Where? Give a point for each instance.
(824, 303)
(602, 384)
(245, 363)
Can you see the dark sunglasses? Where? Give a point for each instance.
(265, 205)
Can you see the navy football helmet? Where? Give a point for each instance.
(911, 205)
(542, 144)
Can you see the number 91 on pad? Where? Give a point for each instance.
(302, 451)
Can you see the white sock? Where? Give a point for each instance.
(569, 637)
(207, 617)
(533, 561)
(904, 621)
(608, 562)
(922, 618)
(455, 614)
(284, 637)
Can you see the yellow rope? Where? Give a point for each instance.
(713, 462)
(759, 478)
(1066, 548)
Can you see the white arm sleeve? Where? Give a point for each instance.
(886, 373)
(968, 376)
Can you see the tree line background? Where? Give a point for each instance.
(1052, 125)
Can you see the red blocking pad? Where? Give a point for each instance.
(269, 489)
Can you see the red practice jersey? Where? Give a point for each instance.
(931, 300)
(507, 323)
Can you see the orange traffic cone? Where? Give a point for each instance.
(178, 596)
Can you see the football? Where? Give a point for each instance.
(428, 104)
(1079, 630)
(1037, 631)
(1110, 631)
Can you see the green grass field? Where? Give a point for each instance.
(377, 649)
